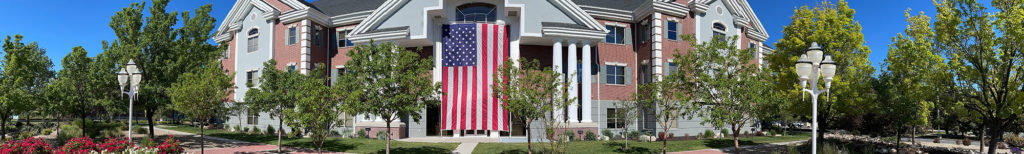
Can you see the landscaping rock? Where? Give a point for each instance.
(603, 138)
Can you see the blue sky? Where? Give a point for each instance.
(60, 25)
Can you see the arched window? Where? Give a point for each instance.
(476, 12)
(719, 31)
(253, 43)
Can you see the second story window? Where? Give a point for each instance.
(753, 49)
(253, 43)
(343, 39)
(476, 12)
(672, 30)
(719, 31)
(291, 68)
(616, 74)
(615, 35)
(250, 78)
(291, 35)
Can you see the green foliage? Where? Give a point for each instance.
(296, 133)
(389, 82)
(569, 134)
(361, 133)
(256, 130)
(319, 107)
(140, 130)
(26, 70)
(590, 136)
(382, 135)
(725, 132)
(270, 131)
(832, 25)
(245, 130)
(607, 133)
(532, 93)
(709, 134)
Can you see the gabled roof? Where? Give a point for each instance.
(341, 7)
(237, 13)
(624, 5)
(744, 15)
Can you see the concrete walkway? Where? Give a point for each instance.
(465, 148)
(760, 148)
(216, 145)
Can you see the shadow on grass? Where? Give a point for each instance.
(632, 149)
(414, 150)
(724, 143)
(329, 145)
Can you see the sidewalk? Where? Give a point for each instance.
(216, 145)
(760, 148)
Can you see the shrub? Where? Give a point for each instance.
(270, 131)
(1014, 140)
(570, 134)
(25, 134)
(590, 136)
(170, 145)
(297, 133)
(709, 134)
(335, 133)
(47, 131)
(633, 135)
(79, 145)
(725, 132)
(346, 132)
(361, 134)
(26, 146)
(140, 130)
(145, 141)
(966, 141)
(936, 140)
(114, 145)
(256, 130)
(607, 133)
(381, 135)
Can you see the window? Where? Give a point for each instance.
(291, 35)
(644, 33)
(753, 49)
(719, 31)
(290, 68)
(672, 67)
(615, 34)
(673, 32)
(227, 53)
(254, 43)
(250, 77)
(341, 72)
(616, 74)
(345, 120)
(317, 36)
(343, 40)
(476, 12)
(615, 120)
(253, 117)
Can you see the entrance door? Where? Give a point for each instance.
(433, 120)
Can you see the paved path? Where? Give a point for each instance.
(465, 148)
(760, 148)
(216, 145)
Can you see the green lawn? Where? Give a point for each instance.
(594, 147)
(332, 144)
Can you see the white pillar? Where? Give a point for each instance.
(572, 73)
(587, 70)
(556, 65)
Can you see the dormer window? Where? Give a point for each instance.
(476, 12)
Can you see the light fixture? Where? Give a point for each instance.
(122, 78)
(815, 53)
(803, 69)
(828, 70)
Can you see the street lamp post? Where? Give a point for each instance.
(809, 67)
(132, 73)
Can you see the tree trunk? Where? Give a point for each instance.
(84, 125)
(981, 139)
(280, 128)
(997, 135)
(736, 138)
(913, 134)
(529, 138)
(898, 140)
(3, 127)
(387, 139)
(202, 137)
(149, 118)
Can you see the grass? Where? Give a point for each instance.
(334, 144)
(593, 147)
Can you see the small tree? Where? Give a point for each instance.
(388, 81)
(629, 111)
(274, 93)
(200, 95)
(660, 97)
(318, 107)
(728, 85)
(25, 72)
(527, 92)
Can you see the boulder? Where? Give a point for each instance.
(603, 138)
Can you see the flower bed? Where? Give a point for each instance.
(82, 145)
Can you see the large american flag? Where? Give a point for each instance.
(471, 55)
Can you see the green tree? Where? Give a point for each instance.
(389, 82)
(984, 51)
(833, 26)
(662, 98)
(729, 88)
(629, 111)
(913, 70)
(275, 92)
(72, 91)
(163, 48)
(26, 70)
(527, 92)
(318, 107)
(200, 95)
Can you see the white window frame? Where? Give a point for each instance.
(292, 33)
(618, 40)
(622, 70)
(715, 31)
(614, 119)
(669, 29)
(253, 40)
(342, 38)
(318, 36)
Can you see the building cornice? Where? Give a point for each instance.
(583, 34)
(311, 14)
(671, 8)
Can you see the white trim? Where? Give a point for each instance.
(295, 4)
(288, 35)
(339, 66)
(614, 63)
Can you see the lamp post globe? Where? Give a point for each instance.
(122, 78)
(131, 77)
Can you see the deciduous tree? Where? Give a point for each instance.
(527, 91)
(275, 92)
(26, 70)
(201, 95)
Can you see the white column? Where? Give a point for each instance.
(587, 70)
(572, 74)
(556, 65)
